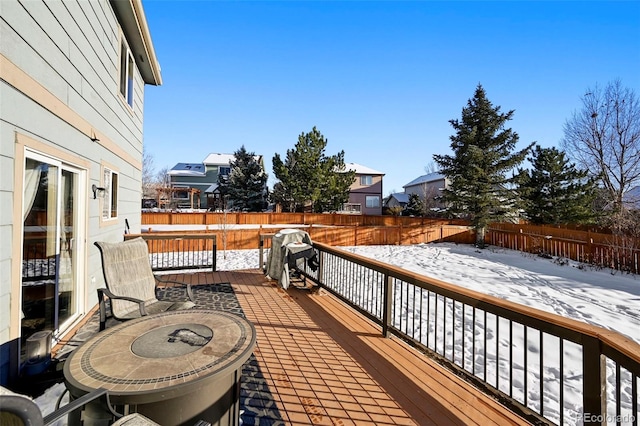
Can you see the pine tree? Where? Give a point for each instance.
(308, 177)
(246, 185)
(415, 206)
(482, 157)
(555, 191)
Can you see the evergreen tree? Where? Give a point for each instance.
(309, 177)
(246, 185)
(555, 191)
(482, 157)
(415, 206)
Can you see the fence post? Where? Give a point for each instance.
(594, 382)
(214, 250)
(387, 304)
(260, 252)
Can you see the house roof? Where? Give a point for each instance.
(400, 197)
(211, 189)
(188, 169)
(134, 25)
(217, 159)
(361, 170)
(429, 177)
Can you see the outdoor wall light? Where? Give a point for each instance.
(95, 190)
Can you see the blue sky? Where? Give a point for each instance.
(380, 80)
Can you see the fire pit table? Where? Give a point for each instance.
(176, 367)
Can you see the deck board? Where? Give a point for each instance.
(327, 364)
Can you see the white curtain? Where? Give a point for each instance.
(32, 174)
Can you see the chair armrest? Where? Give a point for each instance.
(80, 402)
(187, 285)
(106, 292)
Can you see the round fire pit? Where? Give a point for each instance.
(176, 367)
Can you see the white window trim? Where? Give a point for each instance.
(366, 180)
(109, 196)
(126, 80)
(369, 201)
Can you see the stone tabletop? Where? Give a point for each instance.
(173, 350)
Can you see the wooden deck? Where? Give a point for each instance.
(326, 364)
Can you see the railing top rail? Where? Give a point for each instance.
(171, 235)
(564, 327)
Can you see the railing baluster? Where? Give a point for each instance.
(497, 352)
(541, 380)
(511, 358)
(473, 342)
(484, 345)
(386, 317)
(526, 366)
(435, 344)
(464, 333)
(561, 358)
(428, 317)
(618, 408)
(634, 399)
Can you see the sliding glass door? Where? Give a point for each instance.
(50, 255)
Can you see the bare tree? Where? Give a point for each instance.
(162, 177)
(148, 174)
(432, 167)
(429, 197)
(604, 137)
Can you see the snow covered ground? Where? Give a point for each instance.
(606, 298)
(601, 297)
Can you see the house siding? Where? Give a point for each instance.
(432, 188)
(59, 76)
(358, 194)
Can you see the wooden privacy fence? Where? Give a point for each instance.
(249, 238)
(598, 249)
(327, 219)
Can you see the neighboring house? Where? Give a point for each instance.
(188, 182)
(72, 83)
(398, 199)
(195, 185)
(429, 188)
(365, 194)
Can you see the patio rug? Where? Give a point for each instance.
(257, 406)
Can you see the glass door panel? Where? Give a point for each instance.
(49, 262)
(67, 273)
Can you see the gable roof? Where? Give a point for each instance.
(430, 177)
(400, 197)
(131, 16)
(217, 159)
(188, 169)
(360, 169)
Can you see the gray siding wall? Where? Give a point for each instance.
(71, 49)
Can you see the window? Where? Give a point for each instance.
(180, 195)
(126, 74)
(366, 180)
(373, 201)
(110, 200)
(224, 171)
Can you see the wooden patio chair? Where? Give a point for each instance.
(131, 284)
